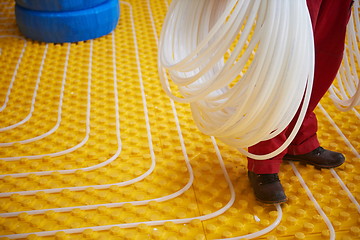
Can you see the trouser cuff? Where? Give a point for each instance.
(304, 147)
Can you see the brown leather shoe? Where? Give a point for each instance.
(267, 188)
(320, 158)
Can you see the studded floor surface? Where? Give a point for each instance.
(92, 148)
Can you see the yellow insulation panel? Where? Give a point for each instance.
(92, 148)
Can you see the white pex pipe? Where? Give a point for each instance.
(241, 102)
(34, 95)
(252, 235)
(33, 139)
(3, 106)
(316, 204)
(346, 93)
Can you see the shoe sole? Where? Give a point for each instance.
(272, 202)
(314, 164)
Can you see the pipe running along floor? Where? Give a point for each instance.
(90, 146)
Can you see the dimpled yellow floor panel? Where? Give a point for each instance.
(92, 148)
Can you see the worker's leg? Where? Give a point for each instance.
(329, 36)
(329, 19)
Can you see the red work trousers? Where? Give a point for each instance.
(329, 19)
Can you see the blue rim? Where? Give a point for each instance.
(73, 26)
(58, 5)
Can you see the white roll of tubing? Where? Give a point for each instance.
(345, 92)
(239, 106)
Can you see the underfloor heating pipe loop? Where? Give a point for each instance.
(345, 91)
(244, 67)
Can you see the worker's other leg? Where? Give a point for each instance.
(329, 36)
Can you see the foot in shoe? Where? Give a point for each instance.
(320, 157)
(267, 188)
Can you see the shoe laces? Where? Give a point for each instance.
(318, 151)
(268, 178)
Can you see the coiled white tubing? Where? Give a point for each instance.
(347, 94)
(239, 106)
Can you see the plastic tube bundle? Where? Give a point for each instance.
(245, 66)
(346, 94)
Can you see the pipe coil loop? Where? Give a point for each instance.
(244, 66)
(345, 91)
